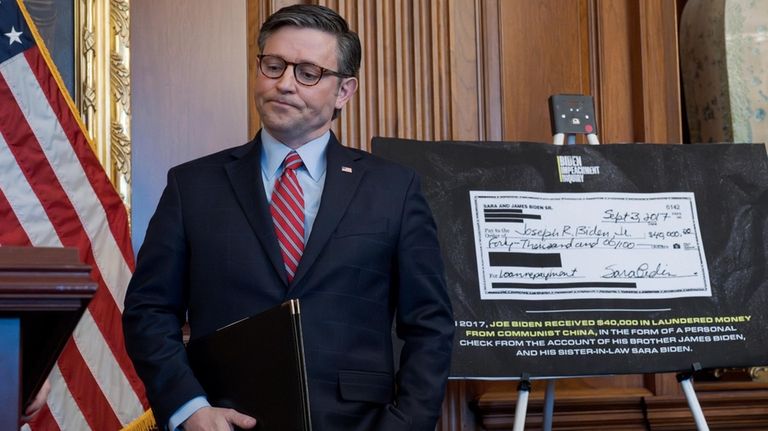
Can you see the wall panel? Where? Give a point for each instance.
(541, 54)
(189, 92)
(616, 72)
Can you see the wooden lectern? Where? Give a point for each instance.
(43, 294)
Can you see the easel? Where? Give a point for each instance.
(686, 382)
(572, 115)
(524, 388)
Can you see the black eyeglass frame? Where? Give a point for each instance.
(323, 70)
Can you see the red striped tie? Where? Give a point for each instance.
(287, 210)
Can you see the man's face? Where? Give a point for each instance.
(291, 112)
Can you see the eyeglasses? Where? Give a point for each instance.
(307, 74)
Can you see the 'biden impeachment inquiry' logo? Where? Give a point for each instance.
(571, 170)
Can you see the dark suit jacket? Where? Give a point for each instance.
(211, 251)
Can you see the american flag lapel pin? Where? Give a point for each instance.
(346, 169)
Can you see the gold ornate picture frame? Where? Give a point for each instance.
(103, 85)
(91, 39)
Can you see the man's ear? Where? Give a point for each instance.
(347, 88)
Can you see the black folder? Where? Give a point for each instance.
(256, 366)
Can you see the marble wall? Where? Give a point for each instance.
(724, 62)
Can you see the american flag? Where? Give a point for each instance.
(54, 193)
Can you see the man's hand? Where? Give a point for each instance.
(37, 403)
(216, 419)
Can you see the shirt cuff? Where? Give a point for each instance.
(185, 411)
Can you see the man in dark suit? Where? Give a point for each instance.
(293, 214)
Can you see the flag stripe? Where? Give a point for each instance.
(97, 177)
(22, 199)
(85, 390)
(54, 192)
(35, 171)
(109, 322)
(11, 232)
(58, 150)
(131, 406)
(73, 368)
(44, 415)
(108, 374)
(65, 412)
(63, 213)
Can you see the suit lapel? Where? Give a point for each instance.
(245, 176)
(340, 186)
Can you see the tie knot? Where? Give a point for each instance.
(292, 161)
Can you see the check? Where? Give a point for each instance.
(543, 246)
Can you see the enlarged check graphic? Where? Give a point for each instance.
(540, 246)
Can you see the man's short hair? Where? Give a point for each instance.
(319, 18)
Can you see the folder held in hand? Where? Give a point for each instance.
(256, 366)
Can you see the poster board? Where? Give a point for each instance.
(590, 260)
